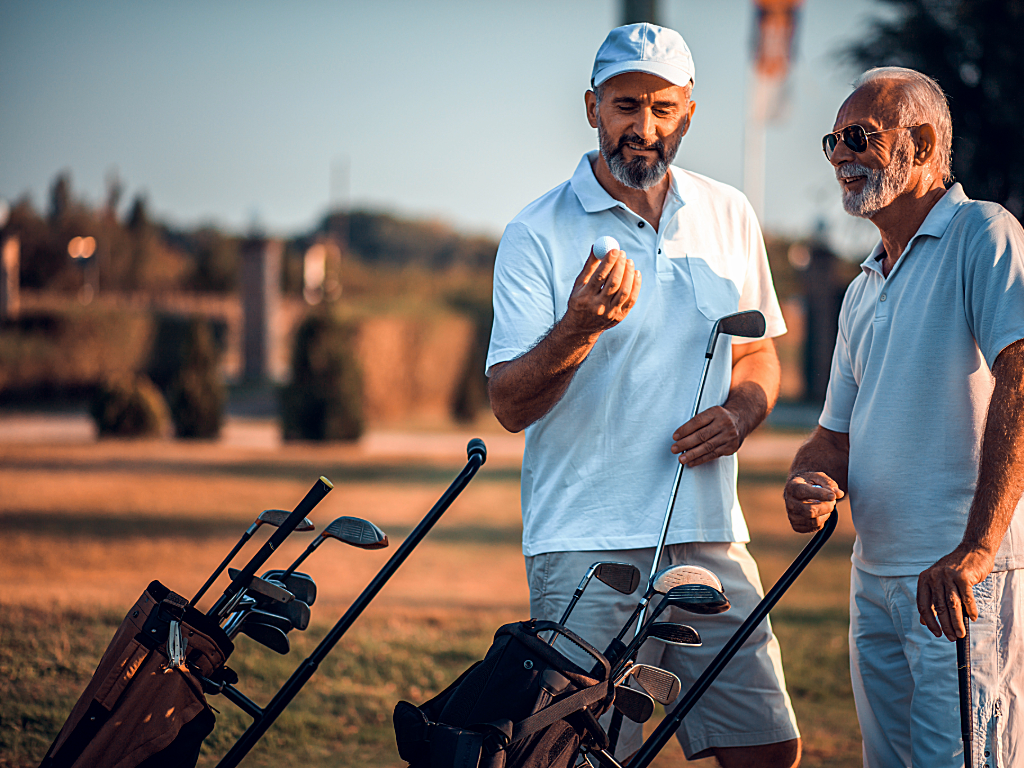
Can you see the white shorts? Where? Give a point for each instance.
(905, 679)
(745, 706)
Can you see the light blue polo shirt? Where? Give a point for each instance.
(911, 382)
(597, 469)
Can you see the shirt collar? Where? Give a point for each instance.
(934, 224)
(594, 198)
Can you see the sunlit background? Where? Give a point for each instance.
(266, 114)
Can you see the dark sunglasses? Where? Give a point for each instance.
(853, 136)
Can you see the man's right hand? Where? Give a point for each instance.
(603, 294)
(810, 498)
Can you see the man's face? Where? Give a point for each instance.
(640, 120)
(871, 180)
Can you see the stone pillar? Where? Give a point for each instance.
(261, 300)
(10, 256)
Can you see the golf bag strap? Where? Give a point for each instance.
(560, 709)
(601, 665)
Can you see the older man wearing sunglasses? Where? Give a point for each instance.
(923, 428)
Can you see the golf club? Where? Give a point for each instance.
(663, 581)
(622, 577)
(963, 673)
(667, 632)
(299, 584)
(662, 685)
(695, 598)
(287, 616)
(264, 590)
(263, 718)
(351, 530)
(636, 705)
(258, 616)
(274, 517)
(267, 635)
(657, 740)
(313, 497)
(749, 324)
(674, 634)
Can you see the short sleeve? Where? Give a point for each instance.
(841, 394)
(758, 288)
(523, 295)
(994, 285)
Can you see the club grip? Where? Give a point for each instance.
(476, 448)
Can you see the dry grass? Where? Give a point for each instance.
(86, 527)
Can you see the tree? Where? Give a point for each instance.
(973, 49)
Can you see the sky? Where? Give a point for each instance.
(243, 113)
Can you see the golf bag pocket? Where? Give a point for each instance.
(141, 708)
(525, 705)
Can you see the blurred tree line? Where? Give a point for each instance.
(137, 253)
(973, 49)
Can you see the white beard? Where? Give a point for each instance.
(881, 186)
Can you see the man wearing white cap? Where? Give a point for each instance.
(600, 365)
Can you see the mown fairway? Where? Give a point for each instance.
(86, 527)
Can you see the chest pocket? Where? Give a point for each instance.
(715, 296)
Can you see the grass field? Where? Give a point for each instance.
(86, 526)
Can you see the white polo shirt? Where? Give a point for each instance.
(911, 382)
(597, 470)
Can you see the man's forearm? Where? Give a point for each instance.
(754, 387)
(524, 389)
(827, 452)
(1001, 470)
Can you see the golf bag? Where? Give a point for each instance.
(525, 705)
(141, 709)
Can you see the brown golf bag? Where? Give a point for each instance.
(142, 707)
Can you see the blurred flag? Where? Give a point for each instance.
(775, 30)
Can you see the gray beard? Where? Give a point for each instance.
(636, 174)
(881, 186)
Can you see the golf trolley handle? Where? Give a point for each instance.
(477, 454)
(654, 743)
(313, 497)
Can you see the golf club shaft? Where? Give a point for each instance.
(313, 497)
(650, 748)
(477, 456)
(220, 568)
(963, 670)
(675, 483)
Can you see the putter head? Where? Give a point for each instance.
(299, 584)
(636, 705)
(697, 598)
(674, 634)
(267, 635)
(676, 575)
(276, 518)
(660, 684)
(622, 577)
(357, 532)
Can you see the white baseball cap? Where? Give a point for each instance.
(643, 48)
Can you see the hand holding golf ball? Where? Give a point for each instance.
(604, 245)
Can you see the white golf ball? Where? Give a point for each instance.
(603, 245)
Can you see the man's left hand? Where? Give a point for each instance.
(709, 435)
(944, 590)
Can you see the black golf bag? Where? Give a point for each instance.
(141, 709)
(525, 705)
